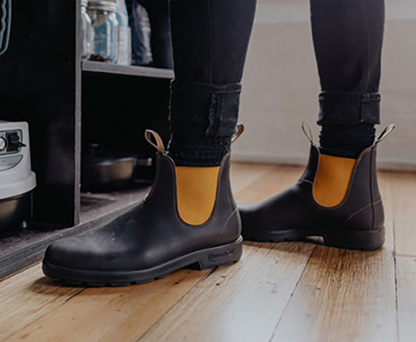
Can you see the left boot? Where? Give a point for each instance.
(336, 198)
(156, 237)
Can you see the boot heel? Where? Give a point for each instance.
(362, 240)
(222, 255)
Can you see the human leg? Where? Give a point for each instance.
(338, 196)
(210, 40)
(348, 38)
(167, 231)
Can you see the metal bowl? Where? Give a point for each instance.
(104, 170)
(15, 210)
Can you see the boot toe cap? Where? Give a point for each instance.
(70, 253)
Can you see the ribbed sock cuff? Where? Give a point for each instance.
(197, 151)
(346, 141)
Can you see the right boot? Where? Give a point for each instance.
(151, 240)
(355, 221)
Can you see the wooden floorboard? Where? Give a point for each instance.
(346, 295)
(343, 296)
(404, 192)
(244, 174)
(239, 303)
(28, 296)
(111, 314)
(263, 281)
(273, 181)
(278, 292)
(406, 304)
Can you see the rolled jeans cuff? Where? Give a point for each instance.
(200, 109)
(346, 108)
(203, 120)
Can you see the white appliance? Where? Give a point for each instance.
(16, 177)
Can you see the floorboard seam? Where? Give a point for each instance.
(396, 293)
(176, 303)
(291, 295)
(395, 265)
(185, 294)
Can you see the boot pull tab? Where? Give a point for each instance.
(240, 130)
(385, 133)
(155, 140)
(307, 131)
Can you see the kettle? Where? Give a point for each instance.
(17, 180)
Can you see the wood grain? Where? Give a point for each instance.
(28, 296)
(111, 314)
(345, 295)
(273, 181)
(404, 188)
(406, 298)
(244, 302)
(278, 292)
(243, 174)
(240, 303)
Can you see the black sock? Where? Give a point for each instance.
(346, 141)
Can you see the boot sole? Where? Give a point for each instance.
(367, 240)
(205, 259)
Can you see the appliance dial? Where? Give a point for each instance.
(3, 144)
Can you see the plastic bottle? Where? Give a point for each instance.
(124, 36)
(140, 31)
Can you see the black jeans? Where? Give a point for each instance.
(210, 40)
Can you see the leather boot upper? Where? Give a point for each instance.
(153, 232)
(296, 208)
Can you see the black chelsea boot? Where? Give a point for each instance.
(357, 222)
(151, 240)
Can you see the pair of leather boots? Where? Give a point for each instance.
(152, 240)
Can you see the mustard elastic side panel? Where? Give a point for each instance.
(197, 189)
(332, 179)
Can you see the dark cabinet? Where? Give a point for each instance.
(67, 101)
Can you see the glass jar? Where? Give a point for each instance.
(87, 32)
(105, 24)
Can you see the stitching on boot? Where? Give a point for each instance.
(360, 210)
(223, 227)
(352, 180)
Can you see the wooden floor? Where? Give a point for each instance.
(278, 292)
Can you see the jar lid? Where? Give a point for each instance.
(103, 5)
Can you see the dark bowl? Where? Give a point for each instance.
(106, 170)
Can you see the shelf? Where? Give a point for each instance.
(44, 82)
(23, 247)
(108, 68)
